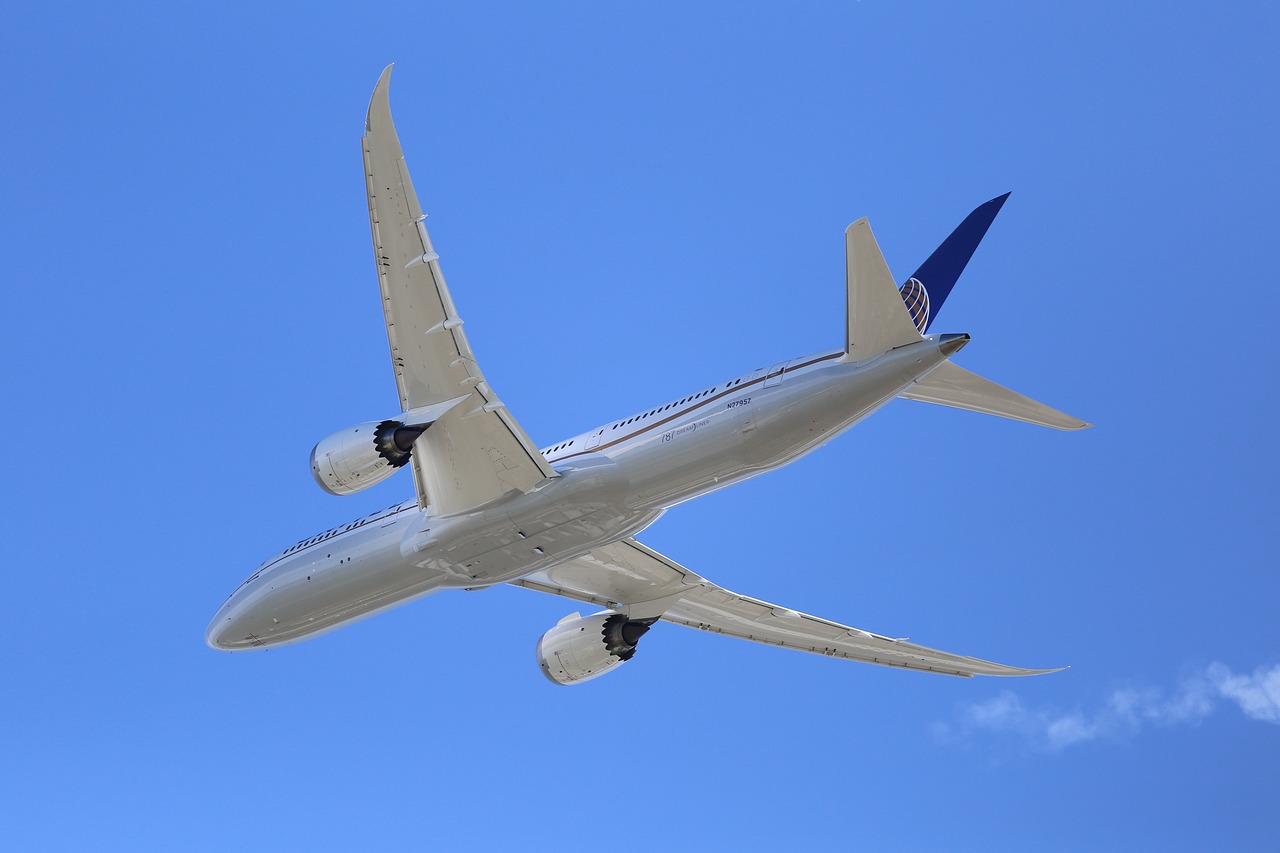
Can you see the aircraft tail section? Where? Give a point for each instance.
(882, 316)
(930, 285)
(877, 319)
(951, 385)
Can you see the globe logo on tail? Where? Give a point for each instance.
(917, 302)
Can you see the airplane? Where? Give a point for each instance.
(493, 508)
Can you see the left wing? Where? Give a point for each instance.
(477, 452)
(635, 580)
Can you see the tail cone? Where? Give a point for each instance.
(952, 344)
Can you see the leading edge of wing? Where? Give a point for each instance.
(633, 579)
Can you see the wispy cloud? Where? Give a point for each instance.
(1126, 711)
(1258, 695)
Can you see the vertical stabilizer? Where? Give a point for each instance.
(930, 285)
(877, 319)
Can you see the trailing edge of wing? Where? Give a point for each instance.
(635, 580)
(477, 452)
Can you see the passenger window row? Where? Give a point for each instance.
(661, 409)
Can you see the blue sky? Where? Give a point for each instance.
(632, 202)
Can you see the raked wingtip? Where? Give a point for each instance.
(380, 100)
(1047, 671)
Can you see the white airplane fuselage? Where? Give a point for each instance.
(614, 481)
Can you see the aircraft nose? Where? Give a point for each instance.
(214, 634)
(228, 632)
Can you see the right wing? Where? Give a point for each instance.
(477, 452)
(635, 580)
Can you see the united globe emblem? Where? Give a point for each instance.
(917, 302)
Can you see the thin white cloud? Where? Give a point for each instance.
(1258, 695)
(1126, 711)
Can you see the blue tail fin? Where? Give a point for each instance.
(930, 285)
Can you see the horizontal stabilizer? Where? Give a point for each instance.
(951, 385)
(877, 319)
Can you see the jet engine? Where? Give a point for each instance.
(360, 456)
(579, 648)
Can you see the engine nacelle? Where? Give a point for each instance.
(579, 648)
(360, 456)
